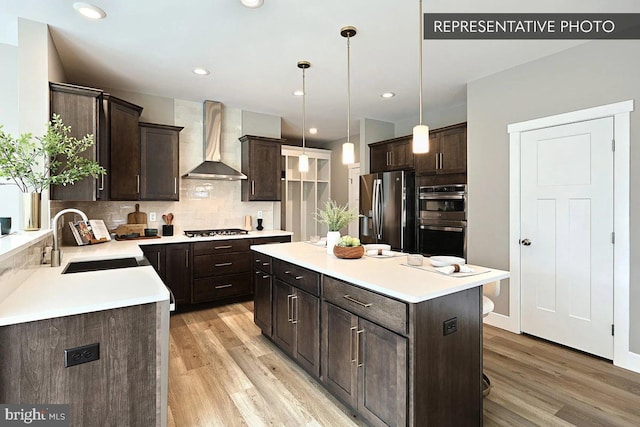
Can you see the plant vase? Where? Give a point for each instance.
(333, 237)
(31, 211)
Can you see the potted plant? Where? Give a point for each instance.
(348, 248)
(335, 217)
(53, 159)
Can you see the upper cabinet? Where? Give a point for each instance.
(391, 155)
(159, 161)
(121, 126)
(79, 107)
(261, 164)
(447, 152)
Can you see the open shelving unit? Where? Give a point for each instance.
(304, 193)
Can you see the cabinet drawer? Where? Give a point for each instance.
(262, 262)
(221, 246)
(213, 288)
(221, 264)
(271, 239)
(297, 276)
(378, 308)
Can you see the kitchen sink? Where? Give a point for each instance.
(103, 264)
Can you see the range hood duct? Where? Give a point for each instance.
(212, 167)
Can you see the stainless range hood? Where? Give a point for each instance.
(212, 167)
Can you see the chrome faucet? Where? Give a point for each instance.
(56, 255)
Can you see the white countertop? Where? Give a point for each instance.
(383, 275)
(47, 293)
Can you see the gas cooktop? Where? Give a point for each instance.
(215, 232)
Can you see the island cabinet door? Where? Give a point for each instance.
(306, 317)
(339, 330)
(283, 316)
(382, 375)
(178, 271)
(262, 301)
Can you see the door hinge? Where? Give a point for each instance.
(613, 330)
(613, 145)
(613, 237)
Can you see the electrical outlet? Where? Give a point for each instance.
(450, 326)
(152, 216)
(79, 355)
(259, 214)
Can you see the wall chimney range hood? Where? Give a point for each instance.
(212, 167)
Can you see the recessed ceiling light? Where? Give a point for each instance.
(388, 95)
(201, 71)
(252, 4)
(298, 92)
(313, 131)
(89, 11)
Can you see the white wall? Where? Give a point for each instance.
(372, 131)
(9, 119)
(592, 74)
(258, 124)
(157, 109)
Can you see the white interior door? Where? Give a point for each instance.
(354, 197)
(567, 216)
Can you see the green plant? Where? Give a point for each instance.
(22, 158)
(334, 215)
(348, 241)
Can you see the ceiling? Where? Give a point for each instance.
(151, 47)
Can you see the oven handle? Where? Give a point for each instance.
(442, 196)
(441, 228)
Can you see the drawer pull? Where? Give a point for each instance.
(365, 305)
(351, 339)
(265, 264)
(258, 260)
(298, 277)
(223, 264)
(224, 286)
(287, 272)
(265, 277)
(223, 247)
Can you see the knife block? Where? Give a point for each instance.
(167, 230)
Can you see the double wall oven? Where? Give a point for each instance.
(443, 220)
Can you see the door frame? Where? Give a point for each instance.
(620, 111)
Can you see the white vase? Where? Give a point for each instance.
(333, 237)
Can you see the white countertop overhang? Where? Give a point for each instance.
(386, 276)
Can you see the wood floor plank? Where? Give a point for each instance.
(223, 372)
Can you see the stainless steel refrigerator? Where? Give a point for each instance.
(388, 209)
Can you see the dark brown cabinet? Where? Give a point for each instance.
(447, 152)
(79, 107)
(173, 264)
(261, 158)
(262, 292)
(159, 161)
(121, 129)
(390, 155)
(296, 314)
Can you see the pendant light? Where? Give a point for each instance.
(421, 132)
(348, 150)
(303, 159)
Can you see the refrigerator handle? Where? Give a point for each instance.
(374, 207)
(380, 209)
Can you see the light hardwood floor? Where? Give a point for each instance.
(223, 372)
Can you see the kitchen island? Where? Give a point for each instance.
(400, 345)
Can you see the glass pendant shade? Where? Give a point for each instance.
(421, 139)
(303, 163)
(348, 153)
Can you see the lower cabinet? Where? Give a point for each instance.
(365, 365)
(173, 264)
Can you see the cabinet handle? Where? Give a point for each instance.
(223, 247)
(101, 187)
(228, 285)
(365, 305)
(158, 258)
(441, 160)
(223, 264)
(287, 272)
(258, 260)
(138, 184)
(289, 314)
(265, 264)
(294, 306)
(175, 185)
(266, 276)
(186, 258)
(390, 158)
(437, 162)
(351, 339)
(359, 363)
(298, 277)
(253, 187)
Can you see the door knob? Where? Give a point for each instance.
(526, 242)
